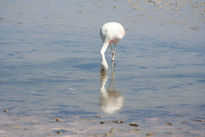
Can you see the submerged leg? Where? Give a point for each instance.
(112, 85)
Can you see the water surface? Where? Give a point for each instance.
(50, 68)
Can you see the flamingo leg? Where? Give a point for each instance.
(114, 54)
(113, 49)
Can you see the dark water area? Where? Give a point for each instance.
(50, 82)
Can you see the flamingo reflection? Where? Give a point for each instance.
(110, 100)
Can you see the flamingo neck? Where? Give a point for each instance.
(104, 64)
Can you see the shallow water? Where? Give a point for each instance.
(50, 68)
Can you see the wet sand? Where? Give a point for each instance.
(99, 126)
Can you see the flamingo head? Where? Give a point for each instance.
(104, 67)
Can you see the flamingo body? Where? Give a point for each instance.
(110, 33)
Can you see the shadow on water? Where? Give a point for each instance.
(110, 100)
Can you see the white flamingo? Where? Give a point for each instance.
(110, 33)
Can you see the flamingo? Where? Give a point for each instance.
(110, 33)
